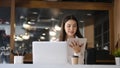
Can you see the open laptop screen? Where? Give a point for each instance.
(49, 52)
(46, 52)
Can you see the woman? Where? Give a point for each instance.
(70, 29)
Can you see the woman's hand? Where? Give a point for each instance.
(76, 46)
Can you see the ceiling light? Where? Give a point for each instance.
(46, 28)
(53, 19)
(43, 34)
(26, 36)
(26, 26)
(89, 14)
(22, 17)
(29, 22)
(7, 22)
(34, 12)
(41, 37)
(82, 21)
(18, 38)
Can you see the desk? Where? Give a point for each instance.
(55, 66)
(105, 62)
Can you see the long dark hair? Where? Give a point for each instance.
(62, 36)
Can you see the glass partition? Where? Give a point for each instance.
(43, 24)
(4, 35)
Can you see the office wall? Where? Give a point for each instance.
(116, 20)
(89, 32)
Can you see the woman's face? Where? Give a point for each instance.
(70, 28)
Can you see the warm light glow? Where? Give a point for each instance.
(34, 12)
(26, 37)
(52, 33)
(46, 28)
(42, 37)
(18, 38)
(29, 22)
(57, 28)
(53, 39)
(81, 21)
(43, 34)
(22, 17)
(89, 14)
(26, 26)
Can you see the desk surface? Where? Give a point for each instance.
(56, 66)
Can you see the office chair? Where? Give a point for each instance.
(90, 56)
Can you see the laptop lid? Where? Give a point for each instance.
(49, 52)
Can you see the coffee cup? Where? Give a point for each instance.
(74, 60)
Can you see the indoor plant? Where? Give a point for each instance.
(19, 54)
(19, 50)
(117, 56)
(117, 52)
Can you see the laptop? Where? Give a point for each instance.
(47, 52)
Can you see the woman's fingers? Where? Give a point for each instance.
(73, 43)
(81, 45)
(75, 46)
(71, 46)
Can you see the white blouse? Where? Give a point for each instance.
(70, 53)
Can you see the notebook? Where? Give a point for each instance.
(49, 52)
